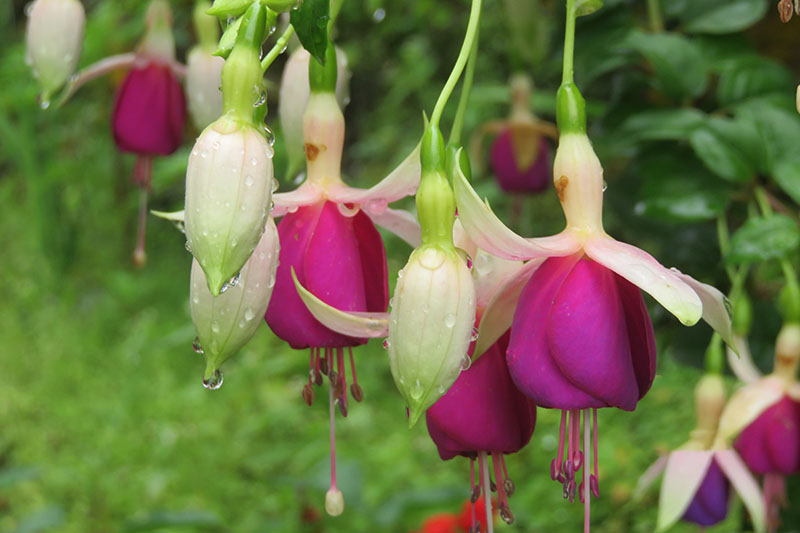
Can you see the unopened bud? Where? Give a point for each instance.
(430, 325)
(54, 42)
(334, 502)
(228, 194)
(203, 80)
(226, 322)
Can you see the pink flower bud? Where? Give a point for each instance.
(54, 41)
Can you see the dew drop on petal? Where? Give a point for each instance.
(474, 334)
(466, 362)
(196, 346)
(450, 320)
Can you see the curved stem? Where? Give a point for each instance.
(278, 48)
(569, 43)
(654, 14)
(458, 68)
(466, 88)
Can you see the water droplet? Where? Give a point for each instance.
(605, 185)
(377, 206)
(450, 320)
(401, 273)
(416, 391)
(466, 362)
(203, 153)
(379, 14)
(269, 135)
(215, 327)
(249, 314)
(386, 346)
(234, 281)
(254, 161)
(214, 382)
(474, 334)
(29, 9)
(728, 306)
(469, 262)
(44, 103)
(262, 99)
(300, 178)
(432, 258)
(179, 226)
(196, 346)
(248, 180)
(275, 185)
(215, 145)
(188, 247)
(291, 209)
(271, 282)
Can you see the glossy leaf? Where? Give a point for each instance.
(719, 156)
(787, 176)
(680, 69)
(712, 16)
(310, 21)
(765, 238)
(749, 76)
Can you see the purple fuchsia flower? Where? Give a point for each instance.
(762, 421)
(581, 335)
(697, 477)
(330, 246)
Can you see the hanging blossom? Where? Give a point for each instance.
(520, 154)
(204, 69)
(54, 38)
(149, 108)
(581, 335)
(330, 247)
(698, 476)
(762, 420)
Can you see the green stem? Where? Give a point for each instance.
(458, 68)
(723, 236)
(335, 9)
(569, 44)
(466, 88)
(278, 48)
(763, 201)
(654, 14)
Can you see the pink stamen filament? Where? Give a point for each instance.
(352, 365)
(472, 492)
(333, 435)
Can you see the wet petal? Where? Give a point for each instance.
(745, 485)
(742, 364)
(715, 307)
(401, 182)
(289, 202)
(683, 475)
(352, 324)
(490, 234)
(588, 336)
(400, 222)
(641, 269)
(499, 312)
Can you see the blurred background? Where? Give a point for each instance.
(104, 423)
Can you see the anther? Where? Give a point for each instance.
(594, 484)
(308, 394)
(476, 494)
(492, 486)
(506, 515)
(356, 392)
(334, 377)
(509, 486)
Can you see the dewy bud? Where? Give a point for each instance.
(54, 39)
(294, 98)
(228, 194)
(203, 79)
(226, 322)
(431, 325)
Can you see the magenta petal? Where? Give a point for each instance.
(510, 177)
(588, 337)
(373, 263)
(771, 443)
(528, 356)
(640, 334)
(149, 112)
(482, 410)
(710, 503)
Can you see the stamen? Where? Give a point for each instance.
(317, 373)
(556, 465)
(502, 500)
(487, 498)
(341, 390)
(333, 437)
(473, 497)
(594, 481)
(355, 388)
(139, 254)
(308, 394)
(508, 485)
(586, 504)
(323, 362)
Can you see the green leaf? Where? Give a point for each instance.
(310, 22)
(676, 188)
(587, 7)
(661, 124)
(229, 8)
(680, 70)
(743, 136)
(751, 76)
(228, 38)
(778, 127)
(787, 176)
(719, 156)
(713, 16)
(764, 238)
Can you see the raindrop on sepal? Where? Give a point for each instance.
(474, 336)
(214, 382)
(233, 282)
(197, 347)
(466, 362)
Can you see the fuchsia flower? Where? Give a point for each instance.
(512, 177)
(581, 335)
(330, 245)
(697, 476)
(762, 421)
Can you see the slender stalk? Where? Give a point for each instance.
(654, 14)
(332, 412)
(466, 88)
(458, 68)
(587, 484)
(723, 236)
(278, 48)
(487, 490)
(569, 44)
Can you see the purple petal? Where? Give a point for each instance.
(710, 503)
(771, 443)
(588, 336)
(511, 178)
(640, 334)
(150, 111)
(373, 263)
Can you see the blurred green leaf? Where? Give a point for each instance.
(46, 519)
(661, 124)
(161, 519)
(719, 156)
(15, 474)
(680, 69)
(714, 16)
(587, 7)
(778, 127)
(763, 238)
(310, 22)
(751, 76)
(229, 8)
(787, 176)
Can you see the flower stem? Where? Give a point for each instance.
(466, 88)
(278, 48)
(654, 14)
(569, 44)
(487, 490)
(458, 68)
